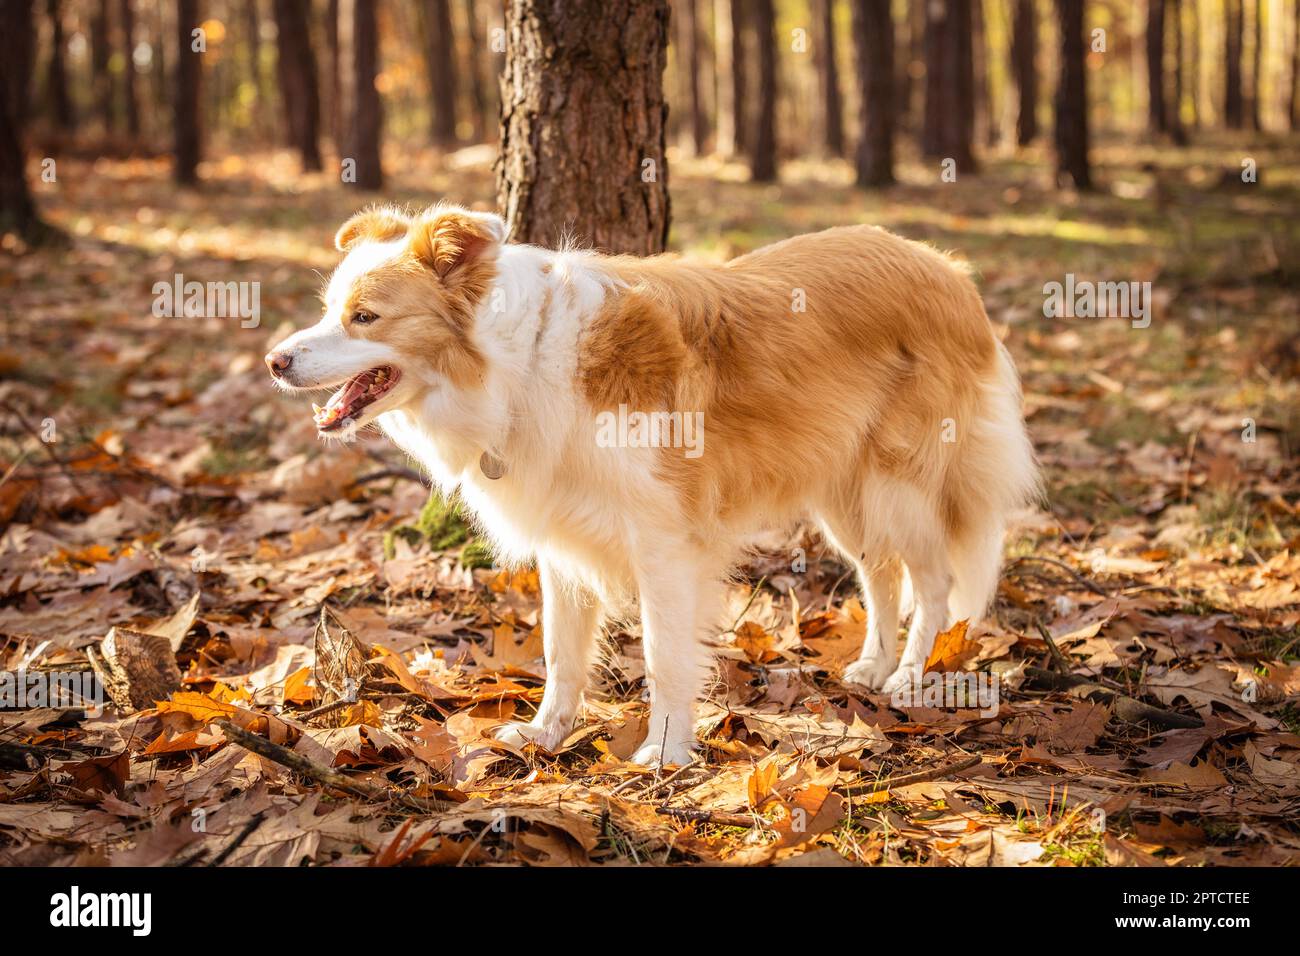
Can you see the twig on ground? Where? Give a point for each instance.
(1079, 579)
(322, 774)
(239, 839)
(919, 776)
(1126, 708)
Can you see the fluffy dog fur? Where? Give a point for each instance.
(885, 409)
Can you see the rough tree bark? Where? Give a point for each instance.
(873, 43)
(1071, 121)
(828, 74)
(1024, 50)
(365, 130)
(296, 70)
(1234, 113)
(762, 164)
(56, 76)
(185, 95)
(440, 65)
(583, 124)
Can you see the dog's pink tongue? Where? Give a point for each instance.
(349, 393)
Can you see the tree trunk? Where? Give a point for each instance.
(1071, 133)
(1024, 50)
(1293, 103)
(56, 77)
(723, 79)
(17, 38)
(1233, 106)
(692, 53)
(829, 75)
(337, 112)
(484, 118)
(762, 166)
(126, 13)
(873, 43)
(983, 86)
(740, 77)
(1256, 77)
(440, 65)
(253, 28)
(1174, 120)
(949, 83)
(910, 65)
(583, 127)
(366, 127)
(1155, 43)
(1194, 62)
(296, 69)
(185, 95)
(101, 51)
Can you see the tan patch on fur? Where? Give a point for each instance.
(893, 340)
(380, 224)
(426, 297)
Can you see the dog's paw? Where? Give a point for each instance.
(904, 683)
(871, 672)
(673, 755)
(519, 735)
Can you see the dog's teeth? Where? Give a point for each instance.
(316, 409)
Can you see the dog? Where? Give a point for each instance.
(851, 376)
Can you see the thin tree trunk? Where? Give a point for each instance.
(1194, 62)
(1255, 66)
(692, 56)
(740, 76)
(1293, 107)
(873, 42)
(17, 39)
(337, 111)
(949, 83)
(1024, 50)
(1174, 119)
(583, 134)
(724, 79)
(366, 127)
(185, 91)
(296, 69)
(829, 76)
(1233, 105)
(126, 14)
(101, 51)
(1155, 42)
(56, 81)
(162, 96)
(762, 166)
(484, 118)
(440, 65)
(1071, 122)
(253, 29)
(983, 87)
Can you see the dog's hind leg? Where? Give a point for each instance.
(570, 625)
(880, 575)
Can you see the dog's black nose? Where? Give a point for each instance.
(278, 362)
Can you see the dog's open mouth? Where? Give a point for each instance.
(357, 393)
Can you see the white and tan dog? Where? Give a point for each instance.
(851, 376)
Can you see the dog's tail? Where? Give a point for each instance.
(995, 475)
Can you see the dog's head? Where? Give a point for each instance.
(399, 313)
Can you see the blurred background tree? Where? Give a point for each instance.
(580, 95)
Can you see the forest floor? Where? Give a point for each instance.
(185, 499)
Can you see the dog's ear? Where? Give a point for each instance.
(447, 239)
(382, 224)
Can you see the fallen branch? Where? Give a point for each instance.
(322, 774)
(1078, 578)
(720, 817)
(239, 839)
(1126, 708)
(920, 776)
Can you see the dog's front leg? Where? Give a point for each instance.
(674, 599)
(570, 623)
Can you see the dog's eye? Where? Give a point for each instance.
(364, 318)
